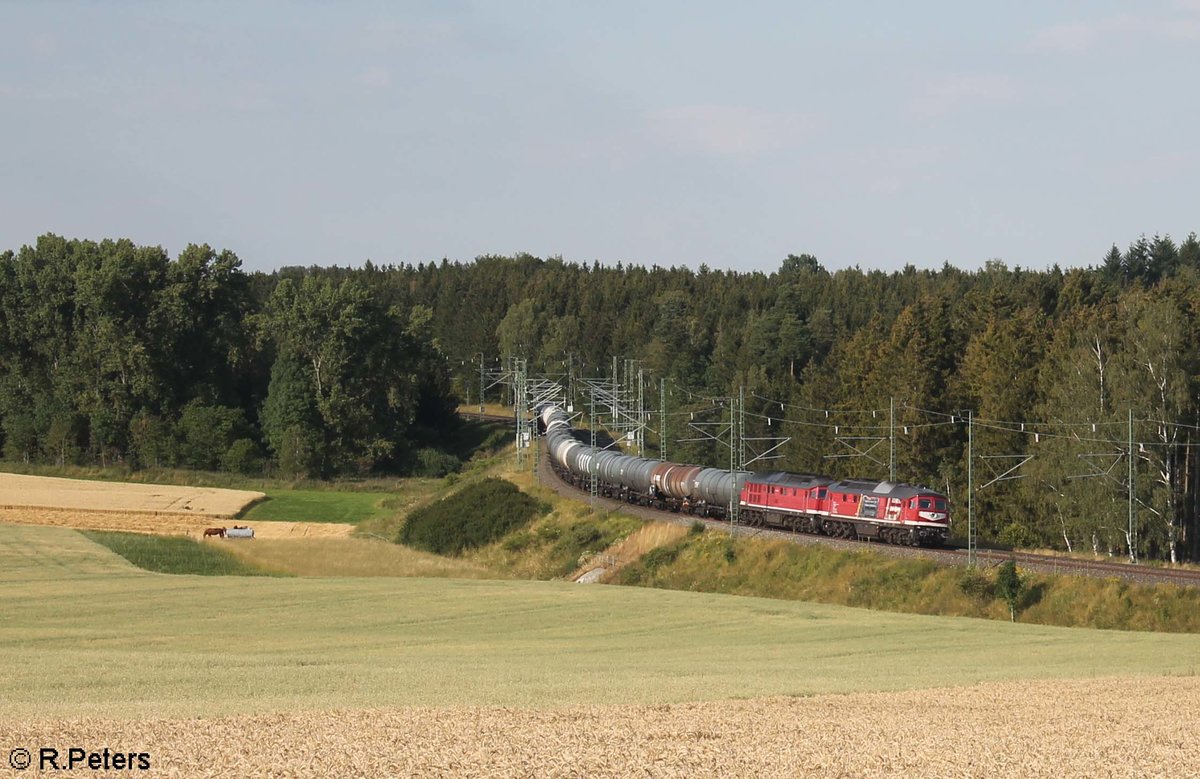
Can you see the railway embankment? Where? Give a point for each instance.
(770, 564)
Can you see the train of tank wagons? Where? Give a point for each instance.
(842, 508)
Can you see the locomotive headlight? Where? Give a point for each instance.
(933, 516)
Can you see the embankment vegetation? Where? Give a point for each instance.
(476, 515)
(712, 561)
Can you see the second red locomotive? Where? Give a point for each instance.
(852, 508)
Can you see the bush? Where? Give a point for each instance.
(474, 516)
(584, 535)
(974, 584)
(659, 556)
(434, 463)
(577, 539)
(697, 528)
(519, 541)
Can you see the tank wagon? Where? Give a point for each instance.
(850, 508)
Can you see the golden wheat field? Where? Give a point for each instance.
(20, 491)
(1115, 727)
(165, 524)
(361, 677)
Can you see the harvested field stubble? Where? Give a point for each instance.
(1122, 727)
(165, 524)
(19, 491)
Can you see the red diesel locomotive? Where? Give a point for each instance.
(852, 508)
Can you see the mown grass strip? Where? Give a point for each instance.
(174, 554)
(320, 506)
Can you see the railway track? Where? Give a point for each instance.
(946, 556)
(1099, 568)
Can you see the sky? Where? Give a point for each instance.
(655, 133)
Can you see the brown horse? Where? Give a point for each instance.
(214, 531)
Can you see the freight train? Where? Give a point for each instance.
(849, 508)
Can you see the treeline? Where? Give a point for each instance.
(1056, 370)
(115, 353)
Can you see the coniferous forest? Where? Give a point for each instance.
(1034, 386)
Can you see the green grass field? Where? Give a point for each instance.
(321, 506)
(172, 554)
(83, 632)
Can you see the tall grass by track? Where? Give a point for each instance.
(554, 545)
(174, 554)
(714, 562)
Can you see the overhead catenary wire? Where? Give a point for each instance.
(1080, 431)
(1040, 429)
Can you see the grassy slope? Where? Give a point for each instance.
(128, 643)
(711, 562)
(554, 546)
(550, 547)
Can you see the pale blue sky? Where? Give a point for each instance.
(665, 133)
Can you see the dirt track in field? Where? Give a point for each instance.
(19, 491)
(1092, 728)
(166, 524)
